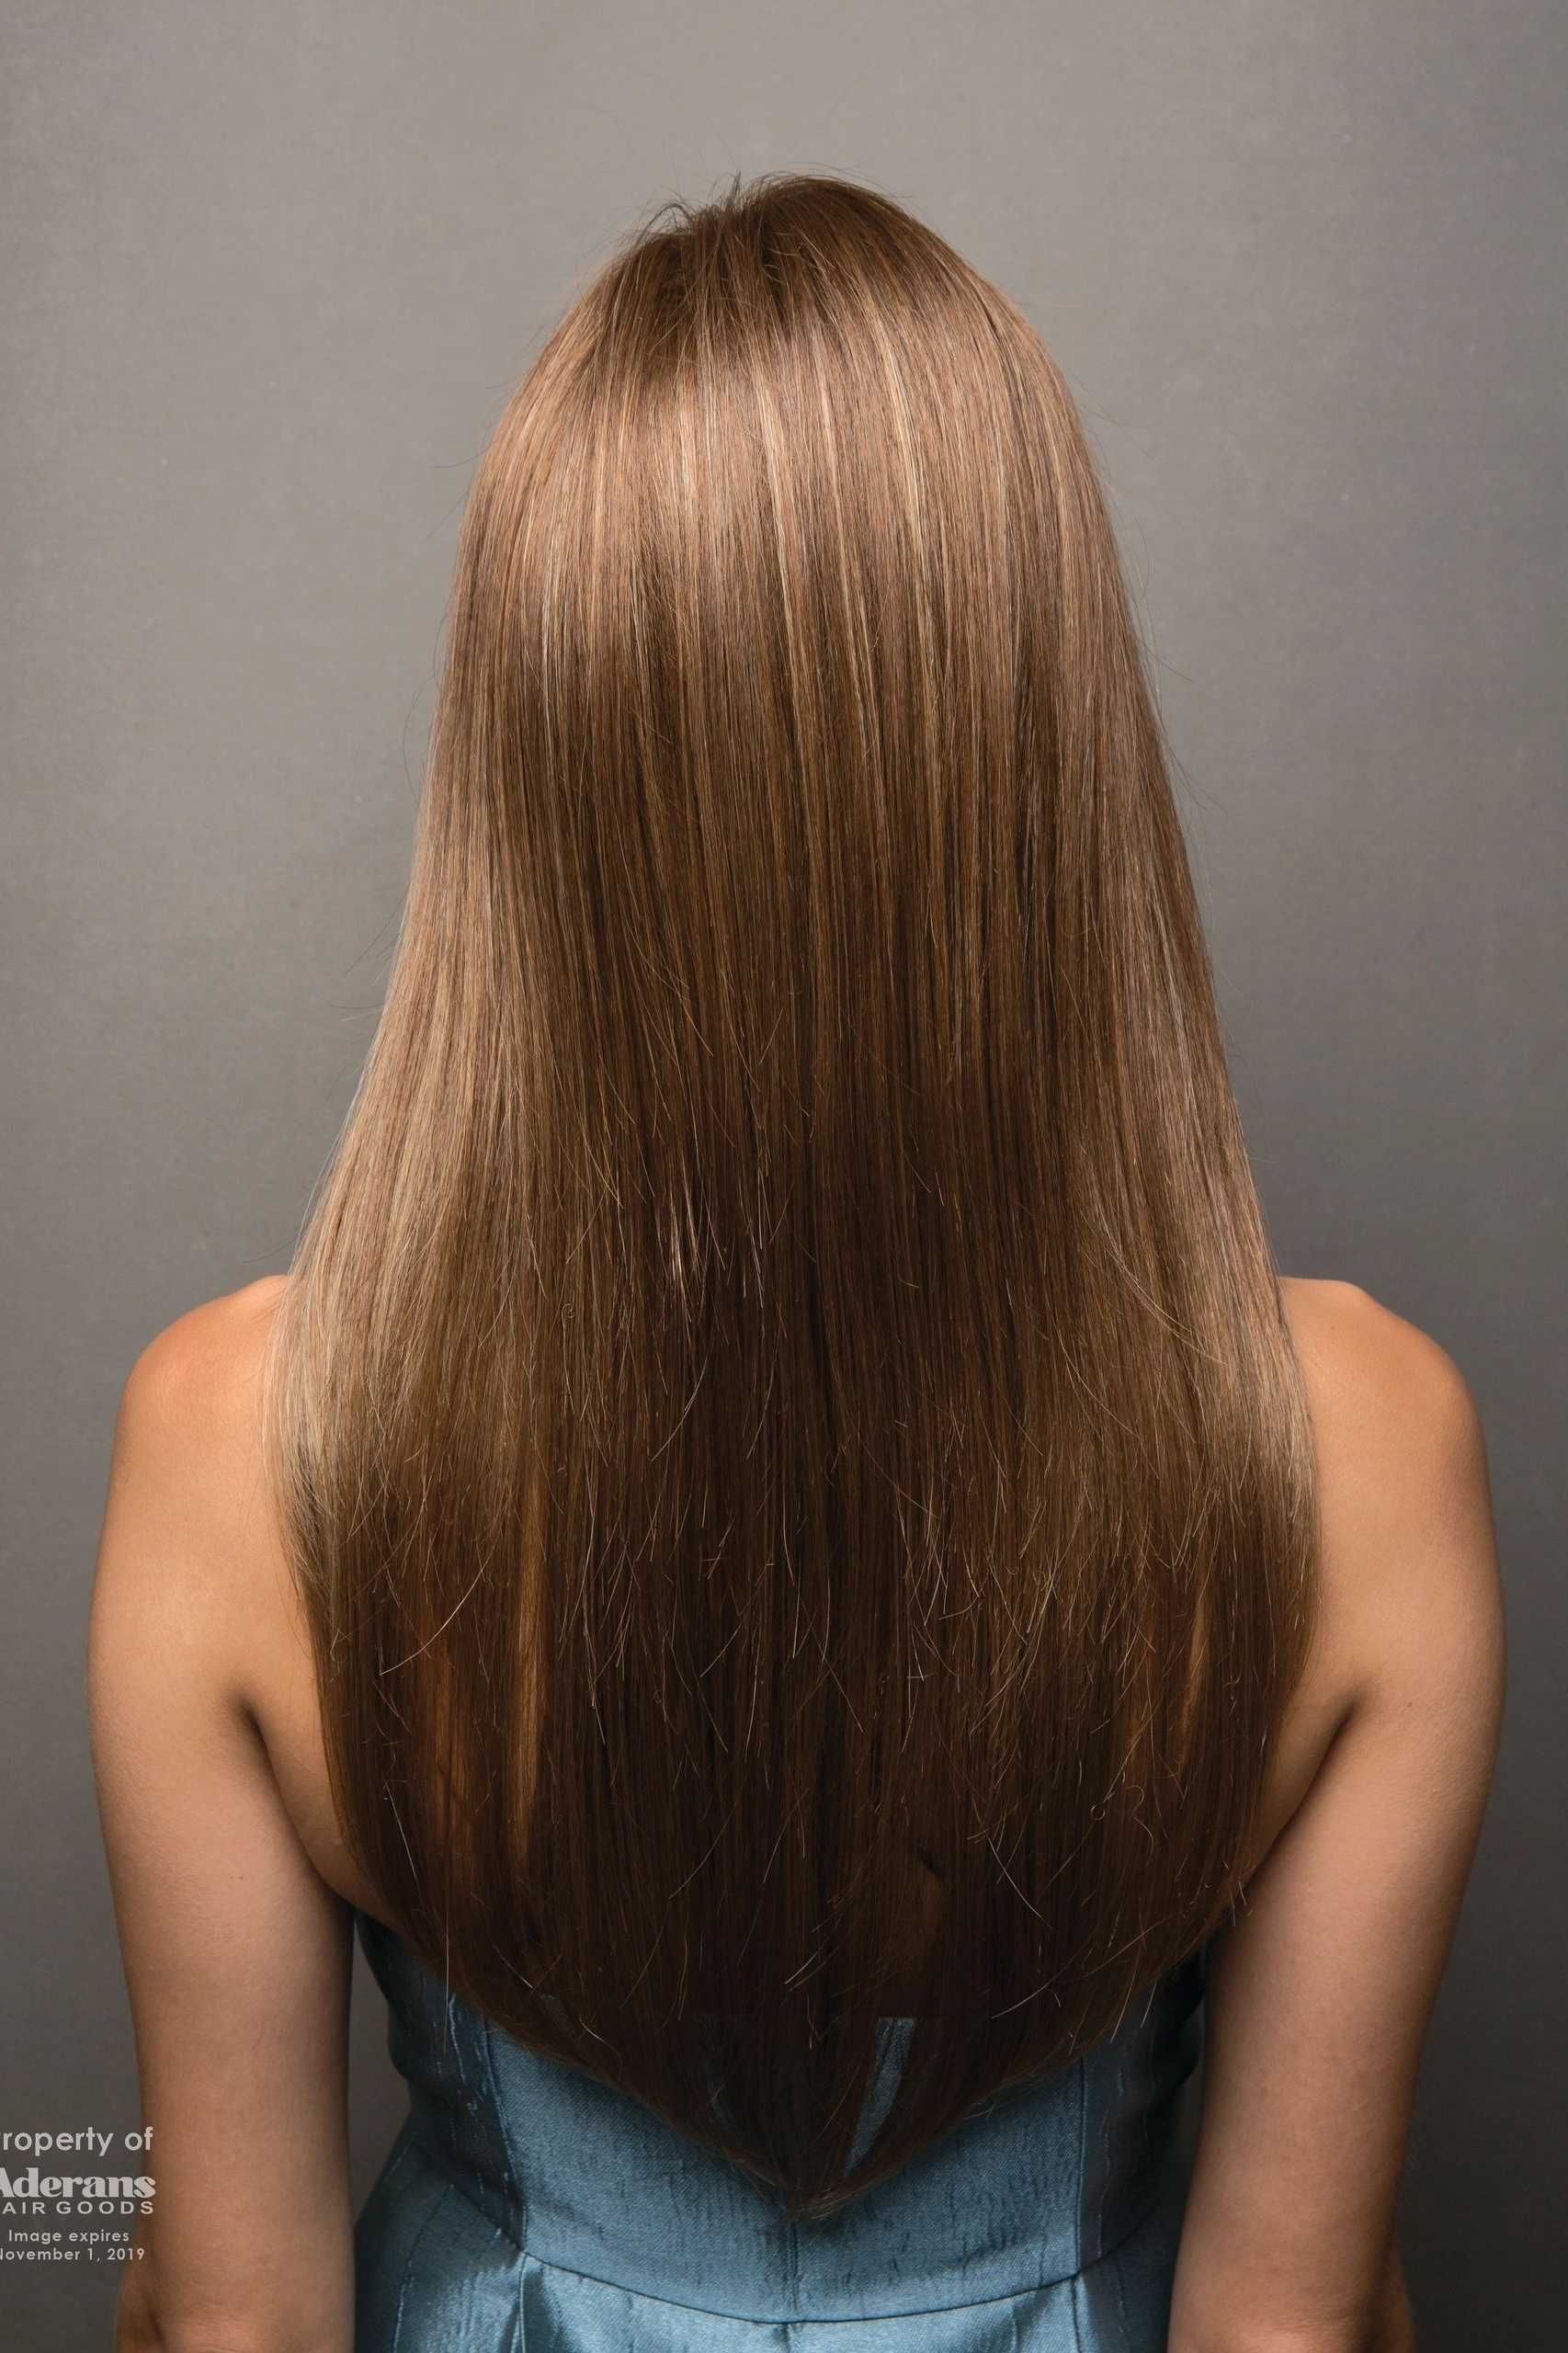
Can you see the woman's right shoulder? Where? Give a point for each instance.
(1408, 1573)
(1357, 1352)
(1320, 1988)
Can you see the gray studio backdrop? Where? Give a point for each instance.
(267, 274)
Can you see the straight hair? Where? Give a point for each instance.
(782, 1411)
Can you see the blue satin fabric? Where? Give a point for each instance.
(524, 2209)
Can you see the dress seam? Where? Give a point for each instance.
(408, 2262)
(1067, 2280)
(454, 2186)
(1082, 2167)
(519, 2198)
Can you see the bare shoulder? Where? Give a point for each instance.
(1320, 1989)
(236, 1949)
(1359, 1355)
(198, 1372)
(1408, 1566)
(189, 1540)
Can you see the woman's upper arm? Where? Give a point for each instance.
(1321, 1990)
(236, 1954)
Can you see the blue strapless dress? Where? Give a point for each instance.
(525, 2209)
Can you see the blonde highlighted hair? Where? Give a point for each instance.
(782, 1408)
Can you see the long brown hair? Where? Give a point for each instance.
(782, 1408)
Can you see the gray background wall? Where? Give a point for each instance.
(267, 274)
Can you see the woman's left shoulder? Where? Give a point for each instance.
(204, 1365)
(190, 1539)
